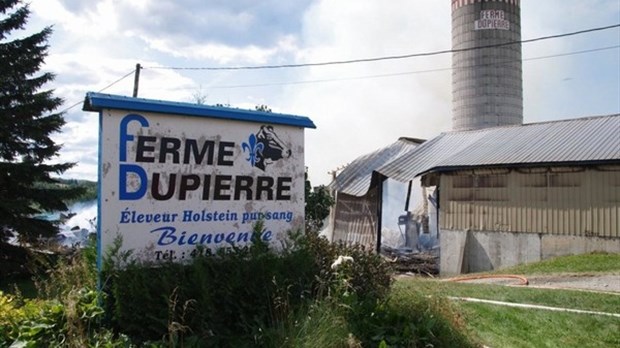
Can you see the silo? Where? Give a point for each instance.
(486, 71)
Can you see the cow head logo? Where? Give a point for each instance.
(265, 148)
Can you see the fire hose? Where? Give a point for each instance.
(522, 280)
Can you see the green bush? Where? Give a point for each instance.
(13, 311)
(239, 298)
(368, 275)
(68, 314)
(51, 323)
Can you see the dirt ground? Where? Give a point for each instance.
(590, 282)
(604, 282)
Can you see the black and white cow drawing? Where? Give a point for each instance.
(274, 148)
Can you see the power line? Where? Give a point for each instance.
(407, 72)
(101, 90)
(413, 55)
(117, 81)
(424, 54)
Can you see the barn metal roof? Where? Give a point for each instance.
(355, 179)
(590, 140)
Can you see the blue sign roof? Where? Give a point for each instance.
(98, 102)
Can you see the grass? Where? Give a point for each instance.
(555, 298)
(585, 263)
(516, 327)
(499, 326)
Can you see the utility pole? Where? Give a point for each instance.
(136, 80)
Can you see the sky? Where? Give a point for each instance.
(357, 108)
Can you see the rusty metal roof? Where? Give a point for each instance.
(590, 140)
(355, 179)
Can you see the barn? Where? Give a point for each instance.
(498, 192)
(358, 189)
(520, 193)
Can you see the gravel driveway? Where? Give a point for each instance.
(591, 282)
(597, 282)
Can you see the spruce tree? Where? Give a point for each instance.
(27, 119)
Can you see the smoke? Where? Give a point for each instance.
(85, 217)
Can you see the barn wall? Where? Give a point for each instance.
(477, 251)
(500, 218)
(559, 201)
(356, 219)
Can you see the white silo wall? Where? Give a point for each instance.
(487, 82)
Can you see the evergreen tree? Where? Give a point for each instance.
(27, 119)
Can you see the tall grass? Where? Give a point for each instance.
(410, 318)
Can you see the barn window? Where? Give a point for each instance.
(535, 180)
(491, 181)
(463, 181)
(564, 180)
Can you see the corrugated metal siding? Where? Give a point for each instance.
(572, 202)
(356, 219)
(607, 217)
(587, 140)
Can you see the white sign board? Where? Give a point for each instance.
(170, 183)
(492, 19)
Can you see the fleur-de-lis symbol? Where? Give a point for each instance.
(254, 148)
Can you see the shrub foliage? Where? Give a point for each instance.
(247, 297)
(238, 298)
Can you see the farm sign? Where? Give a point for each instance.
(492, 19)
(176, 176)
